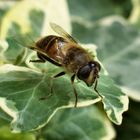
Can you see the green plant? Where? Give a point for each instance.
(23, 83)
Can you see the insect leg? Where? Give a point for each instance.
(42, 55)
(56, 76)
(74, 90)
(51, 85)
(38, 61)
(59, 74)
(43, 59)
(95, 88)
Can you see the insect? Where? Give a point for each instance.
(64, 51)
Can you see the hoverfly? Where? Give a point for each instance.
(64, 51)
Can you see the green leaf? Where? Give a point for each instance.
(6, 134)
(121, 58)
(118, 42)
(12, 26)
(33, 24)
(5, 116)
(97, 9)
(114, 100)
(2, 121)
(118, 50)
(24, 87)
(134, 18)
(79, 124)
(3, 47)
(129, 130)
(17, 81)
(4, 7)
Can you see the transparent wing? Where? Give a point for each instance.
(22, 41)
(25, 42)
(62, 32)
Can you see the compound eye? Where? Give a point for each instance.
(84, 72)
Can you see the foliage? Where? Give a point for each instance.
(102, 24)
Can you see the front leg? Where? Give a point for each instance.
(38, 61)
(95, 88)
(74, 90)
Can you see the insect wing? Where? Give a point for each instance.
(26, 42)
(21, 41)
(62, 32)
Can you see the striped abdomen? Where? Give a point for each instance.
(51, 45)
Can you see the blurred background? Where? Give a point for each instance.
(112, 25)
